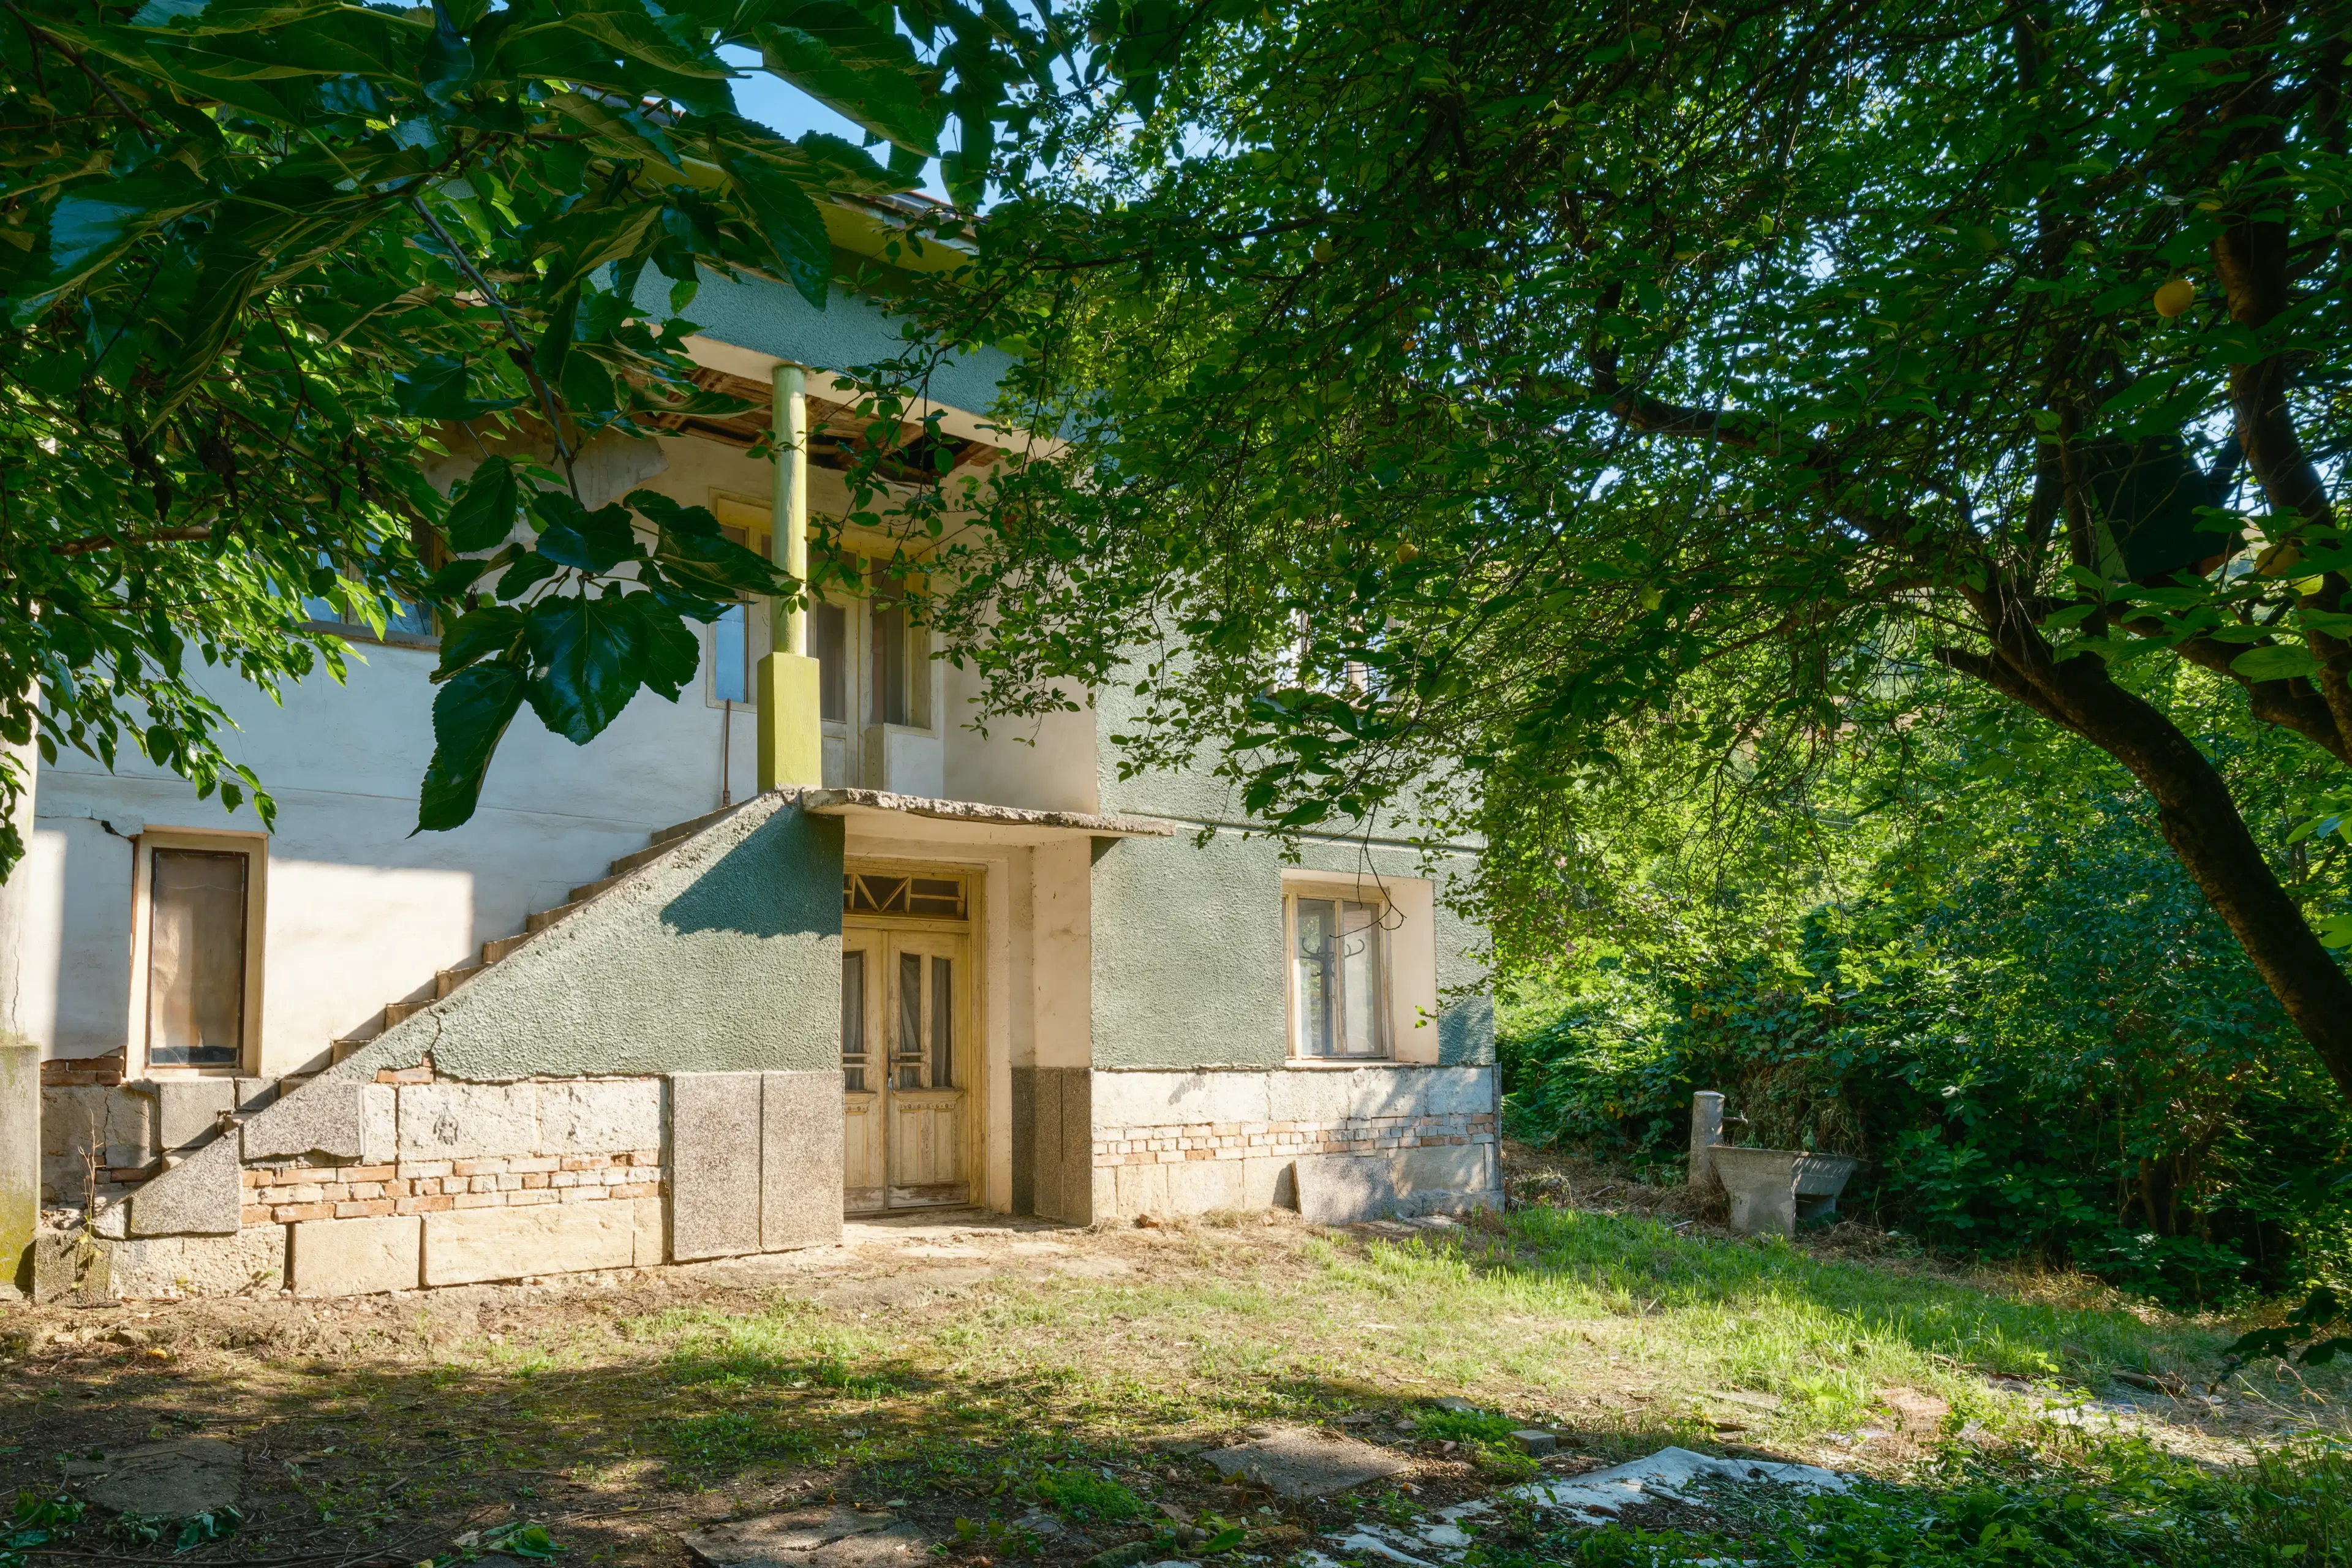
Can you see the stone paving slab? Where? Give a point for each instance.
(832, 1537)
(1300, 1462)
(163, 1480)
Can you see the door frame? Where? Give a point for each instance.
(975, 1056)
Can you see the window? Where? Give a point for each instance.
(195, 972)
(405, 620)
(852, 1022)
(731, 656)
(930, 898)
(829, 641)
(1338, 976)
(901, 680)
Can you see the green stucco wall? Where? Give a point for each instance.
(723, 957)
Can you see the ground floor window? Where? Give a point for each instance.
(1338, 975)
(195, 967)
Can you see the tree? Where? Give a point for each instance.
(257, 253)
(1467, 377)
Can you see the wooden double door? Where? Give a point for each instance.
(907, 1055)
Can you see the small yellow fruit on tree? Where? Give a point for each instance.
(2174, 297)
(1406, 552)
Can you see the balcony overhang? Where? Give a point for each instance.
(880, 814)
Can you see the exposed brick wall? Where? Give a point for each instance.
(285, 1195)
(1178, 1143)
(82, 1072)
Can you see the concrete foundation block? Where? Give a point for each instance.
(20, 1158)
(1343, 1189)
(379, 1124)
(800, 1160)
(648, 1232)
(599, 1116)
(323, 1117)
(468, 1247)
(188, 1109)
(356, 1257)
(452, 1121)
(715, 1156)
(203, 1195)
(69, 1266)
(1161, 1099)
(251, 1262)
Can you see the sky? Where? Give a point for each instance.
(789, 112)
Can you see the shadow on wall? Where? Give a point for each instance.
(1465, 1032)
(764, 886)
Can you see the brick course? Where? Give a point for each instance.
(297, 1191)
(1181, 1143)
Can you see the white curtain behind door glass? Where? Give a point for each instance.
(196, 959)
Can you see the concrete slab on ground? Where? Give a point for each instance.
(163, 1480)
(828, 1537)
(1300, 1462)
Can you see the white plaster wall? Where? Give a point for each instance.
(1048, 763)
(1062, 985)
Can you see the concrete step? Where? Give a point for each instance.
(534, 923)
(494, 951)
(448, 980)
(587, 890)
(672, 834)
(630, 862)
(398, 1012)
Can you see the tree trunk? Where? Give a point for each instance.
(2202, 823)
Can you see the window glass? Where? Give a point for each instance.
(1337, 978)
(730, 678)
(829, 641)
(196, 958)
(942, 1023)
(908, 1047)
(902, 665)
(853, 1021)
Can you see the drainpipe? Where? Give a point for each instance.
(792, 745)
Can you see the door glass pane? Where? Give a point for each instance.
(1318, 921)
(1360, 980)
(829, 640)
(196, 958)
(909, 1045)
(942, 1023)
(729, 679)
(853, 1020)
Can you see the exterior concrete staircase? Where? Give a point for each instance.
(446, 981)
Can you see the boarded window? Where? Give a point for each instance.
(196, 958)
(1341, 992)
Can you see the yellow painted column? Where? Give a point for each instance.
(792, 737)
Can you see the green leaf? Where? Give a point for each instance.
(437, 389)
(94, 224)
(861, 69)
(448, 64)
(590, 540)
(470, 716)
(2277, 662)
(483, 515)
(788, 220)
(477, 636)
(589, 656)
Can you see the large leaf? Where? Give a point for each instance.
(469, 715)
(483, 514)
(2274, 663)
(95, 224)
(478, 635)
(863, 72)
(437, 389)
(788, 221)
(573, 536)
(673, 654)
(588, 657)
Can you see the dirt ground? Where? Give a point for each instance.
(937, 1367)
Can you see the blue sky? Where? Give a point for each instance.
(786, 109)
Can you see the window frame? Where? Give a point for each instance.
(1384, 923)
(255, 848)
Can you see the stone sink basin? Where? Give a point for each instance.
(1772, 1189)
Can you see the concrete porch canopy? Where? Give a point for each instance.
(881, 814)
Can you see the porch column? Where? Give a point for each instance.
(792, 745)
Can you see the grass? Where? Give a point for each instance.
(619, 1421)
